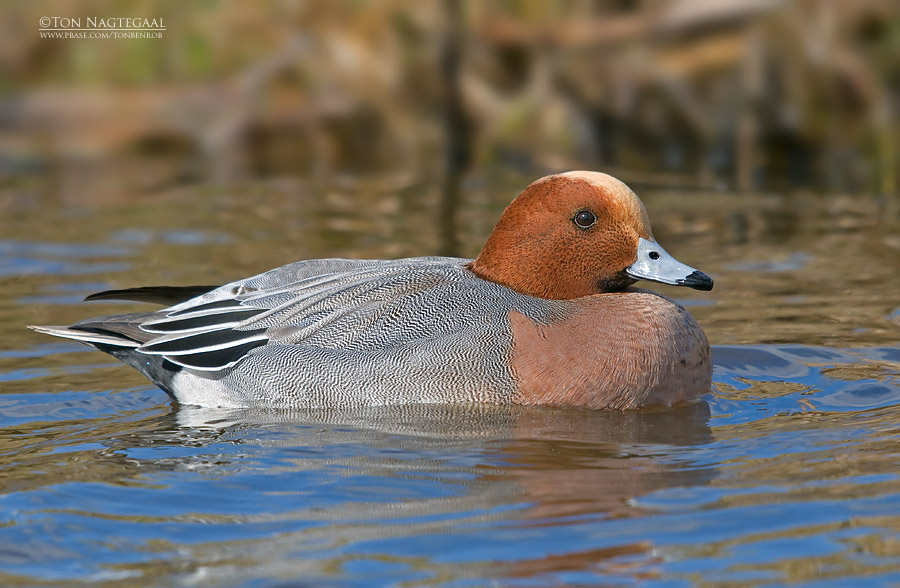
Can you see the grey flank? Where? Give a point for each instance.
(330, 332)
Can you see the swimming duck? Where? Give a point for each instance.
(546, 314)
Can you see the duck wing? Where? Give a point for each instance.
(330, 303)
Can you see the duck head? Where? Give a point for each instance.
(577, 234)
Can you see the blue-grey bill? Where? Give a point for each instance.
(653, 263)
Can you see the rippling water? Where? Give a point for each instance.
(787, 472)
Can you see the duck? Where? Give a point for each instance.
(547, 314)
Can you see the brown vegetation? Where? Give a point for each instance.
(740, 94)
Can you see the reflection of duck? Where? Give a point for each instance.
(544, 315)
(560, 461)
(236, 493)
(385, 477)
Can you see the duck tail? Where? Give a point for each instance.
(122, 330)
(90, 337)
(120, 337)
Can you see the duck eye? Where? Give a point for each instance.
(584, 218)
(653, 255)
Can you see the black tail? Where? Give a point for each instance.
(120, 335)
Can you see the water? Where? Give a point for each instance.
(786, 473)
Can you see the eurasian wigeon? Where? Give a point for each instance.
(544, 315)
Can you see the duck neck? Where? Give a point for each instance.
(508, 267)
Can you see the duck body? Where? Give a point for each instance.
(338, 332)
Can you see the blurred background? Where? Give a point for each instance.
(761, 134)
(723, 94)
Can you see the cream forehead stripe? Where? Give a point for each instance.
(619, 191)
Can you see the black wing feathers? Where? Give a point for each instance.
(171, 325)
(165, 295)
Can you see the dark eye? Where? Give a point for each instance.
(653, 255)
(584, 218)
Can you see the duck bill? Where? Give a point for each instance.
(656, 265)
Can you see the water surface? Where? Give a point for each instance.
(787, 472)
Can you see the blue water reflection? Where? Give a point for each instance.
(18, 258)
(108, 485)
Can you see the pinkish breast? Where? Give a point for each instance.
(623, 350)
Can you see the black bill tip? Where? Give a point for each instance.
(698, 281)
